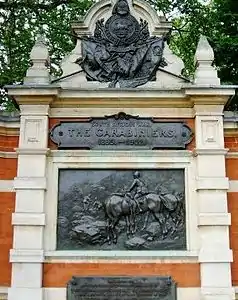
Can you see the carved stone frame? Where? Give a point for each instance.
(126, 160)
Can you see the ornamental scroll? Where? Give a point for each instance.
(121, 132)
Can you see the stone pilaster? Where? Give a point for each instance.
(28, 220)
(215, 255)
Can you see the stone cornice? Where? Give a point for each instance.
(30, 94)
(5, 154)
(187, 96)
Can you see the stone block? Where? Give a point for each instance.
(26, 275)
(28, 237)
(25, 293)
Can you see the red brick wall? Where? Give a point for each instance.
(232, 174)
(231, 143)
(8, 143)
(233, 209)
(7, 204)
(8, 170)
(58, 274)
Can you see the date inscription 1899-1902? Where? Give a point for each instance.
(121, 288)
(122, 132)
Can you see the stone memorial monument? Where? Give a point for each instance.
(121, 189)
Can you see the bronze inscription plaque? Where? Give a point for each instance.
(121, 288)
(118, 209)
(121, 132)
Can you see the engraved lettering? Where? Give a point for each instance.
(99, 132)
(121, 131)
(71, 132)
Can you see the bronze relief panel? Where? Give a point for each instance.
(115, 209)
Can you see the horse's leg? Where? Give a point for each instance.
(114, 233)
(109, 231)
(146, 220)
(133, 220)
(128, 225)
(162, 224)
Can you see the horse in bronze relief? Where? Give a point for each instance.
(119, 205)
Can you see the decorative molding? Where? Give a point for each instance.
(215, 255)
(121, 256)
(212, 152)
(210, 132)
(163, 113)
(232, 155)
(212, 90)
(34, 110)
(28, 219)
(32, 132)
(30, 183)
(110, 153)
(6, 186)
(4, 154)
(28, 256)
(32, 151)
(212, 183)
(214, 219)
(115, 101)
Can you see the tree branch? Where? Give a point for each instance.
(25, 4)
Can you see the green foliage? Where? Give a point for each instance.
(22, 20)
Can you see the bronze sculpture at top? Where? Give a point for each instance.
(121, 51)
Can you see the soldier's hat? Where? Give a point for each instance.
(136, 174)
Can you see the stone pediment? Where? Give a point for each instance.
(119, 47)
(74, 75)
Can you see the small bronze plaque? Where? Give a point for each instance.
(121, 288)
(103, 209)
(121, 132)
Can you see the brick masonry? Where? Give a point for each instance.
(8, 168)
(232, 174)
(7, 206)
(8, 143)
(58, 274)
(231, 143)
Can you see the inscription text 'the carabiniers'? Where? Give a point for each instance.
(119, 133)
